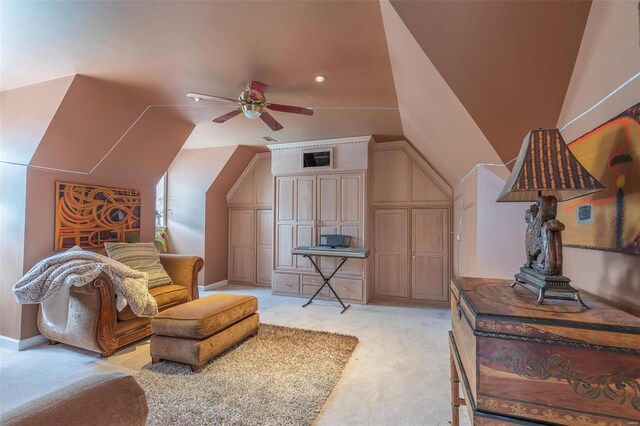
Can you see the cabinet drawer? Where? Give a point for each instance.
(348, 288)
(310, 290)
(312, 280)
(286, 283)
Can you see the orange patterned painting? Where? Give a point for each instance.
(610, 219)
(89, 215)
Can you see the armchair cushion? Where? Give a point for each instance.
(141, 257)
(166, 296)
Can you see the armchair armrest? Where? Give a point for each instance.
(183, 270)
(92, 318)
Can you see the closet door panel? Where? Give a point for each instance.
(328, 264)
(305, 199)
(304, 237)
(391, 252)
(430, 270)
(263, 183)
(353, 266)
(328, 199)
(285, 242)
(242, 245)
(264, 246)
(286, 199)
(351, 198)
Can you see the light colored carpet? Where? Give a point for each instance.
(282, 376)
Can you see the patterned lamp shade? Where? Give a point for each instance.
(545, 164)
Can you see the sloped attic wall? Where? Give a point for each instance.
(101, 133)
(198, 181)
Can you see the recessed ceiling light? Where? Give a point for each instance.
(197, 99)
(320, 78)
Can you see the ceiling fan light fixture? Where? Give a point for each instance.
(320, 78)
(250, 111)
(251, 114)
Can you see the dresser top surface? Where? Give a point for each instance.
(495, 298)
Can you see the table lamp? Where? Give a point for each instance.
(546, 172)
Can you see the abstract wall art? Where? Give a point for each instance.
(90, 215)
(610, 219)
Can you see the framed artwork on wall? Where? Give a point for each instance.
(90, 215)
(610, 219)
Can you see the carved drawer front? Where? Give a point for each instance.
(348, 288)
(310, 290)
(311, 283)
(286, 283)
(312, 280)
(583, 385)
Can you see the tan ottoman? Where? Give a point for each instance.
(195, 332)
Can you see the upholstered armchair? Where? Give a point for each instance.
(93, 321)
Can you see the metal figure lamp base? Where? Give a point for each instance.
(547, 287)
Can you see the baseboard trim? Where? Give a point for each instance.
(213, 286)
(21, 345)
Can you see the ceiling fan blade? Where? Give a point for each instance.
(194, 95)
(258, 87)
(270, 121)
(291, 109)
(227, 116)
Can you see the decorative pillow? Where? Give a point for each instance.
(142, 257)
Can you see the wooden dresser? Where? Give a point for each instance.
(519, 363)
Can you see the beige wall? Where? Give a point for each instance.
(501, 227)
(465, 227)
(609, 55)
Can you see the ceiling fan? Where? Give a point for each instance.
(252, 104)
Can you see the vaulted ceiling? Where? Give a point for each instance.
(453, 77)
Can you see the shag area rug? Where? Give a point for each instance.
(282, 376)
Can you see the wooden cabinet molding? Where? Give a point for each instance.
(349, 154)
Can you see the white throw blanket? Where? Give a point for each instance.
(49, 281)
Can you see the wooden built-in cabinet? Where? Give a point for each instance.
(412, 229)
(387, 197)
(310, 203)
(307, 207)
(251, 224)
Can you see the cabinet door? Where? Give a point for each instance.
(391, 252)
(286, 198)
(284, 245)
(242, 245)
(264, 246)
(351, 205)
(430, 252)
(305, 199)
(305, 218)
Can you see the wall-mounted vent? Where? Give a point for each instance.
(269, 139)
